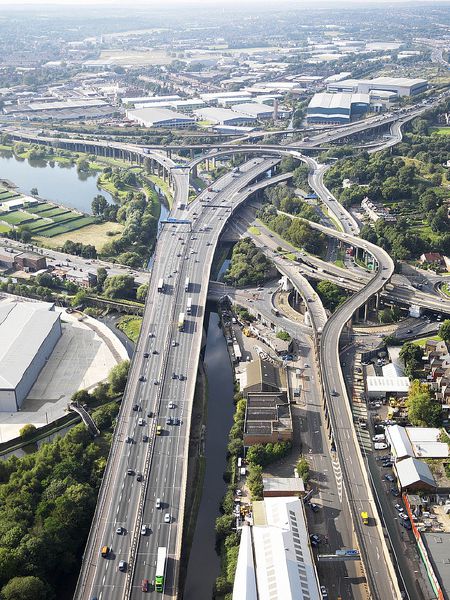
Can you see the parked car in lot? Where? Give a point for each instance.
(314, 507)
(403, 516)
(398, 507)
(380, 446)
(389, 478)
(405, 524)
(395, 492)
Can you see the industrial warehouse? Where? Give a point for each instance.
(29, 332)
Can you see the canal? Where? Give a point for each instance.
(57, 183)
(204, 563)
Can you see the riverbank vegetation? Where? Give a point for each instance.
(130, 326)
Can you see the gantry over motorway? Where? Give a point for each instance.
(162, 376)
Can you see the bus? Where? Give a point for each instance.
(160, 569)
(181, 322)
(189, 306)
(186, 284)
(161, 285)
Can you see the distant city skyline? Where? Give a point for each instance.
(261, 4)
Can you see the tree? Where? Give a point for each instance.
(118, 377)
(141, 292)
(34, 191)
(102, 274)
(119, 286)
(423, 411)
(79, 299)
(283, 335)
(99, 205)
(27, 430)
(303, 469)
(26, 588)
(332, 296)
(411, 354)
(444, 330)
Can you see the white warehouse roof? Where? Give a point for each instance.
(413, 470)
(335, 101)
(282, 557)
(24, 326)
(388, 384)
(253, 109)
(151, 116)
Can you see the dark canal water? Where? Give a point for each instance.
(204, 563)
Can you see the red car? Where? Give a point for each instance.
(144, 585)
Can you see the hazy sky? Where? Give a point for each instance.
(265, 3)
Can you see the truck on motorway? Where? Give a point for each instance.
(160, 569)
(161, 286)
(181, 322)
(365, 518)
(189, 306)
(186, 284)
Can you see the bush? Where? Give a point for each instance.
(27, 430)
(303, 469)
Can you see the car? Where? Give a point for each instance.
(155, 382)
(151, 335)
(146, 354)
(405, 524)
(174, 375)
(140, 421)
(141, 378)
(169, 421)
(177, 421)
(155, 351)
(306, 366)
(171, 404)
(130, 472)
(314, 537)
(389, 478)
(145, 438)
(167, 518)
(181, 377)
(399, 507)
(139, 477)
(119, 530)
(174, 343)
(122, 565)
(158, 503)
(380, 446)
(129, 439)
(395, 492)
(144, 585)
(323, 591)
(314, 507)
(409, 331)
(310, 300)
(104, 551)
(144, 530)
(150, 414)
(403, 516)
(387, 464)
(334, 393)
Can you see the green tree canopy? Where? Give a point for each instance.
(423, 411)
(26, 588)
(118, 377)
(444, 330)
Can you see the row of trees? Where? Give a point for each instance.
(295, 231)
(331, 294)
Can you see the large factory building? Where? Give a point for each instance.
(29, 332)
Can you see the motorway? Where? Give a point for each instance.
(124, 501)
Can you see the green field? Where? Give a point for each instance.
(130, 326)
(7, 195)
(4, 228)
(72, 225)
(42, 207)
(17, 217)
(54, 212)
(441, 130)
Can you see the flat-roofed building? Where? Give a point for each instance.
(254, 109)
(329, 108)
(268, 418)
(29, 332)
(224, 116)
(275, 558)
(159, 117)
(401, 86)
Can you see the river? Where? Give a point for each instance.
(204, 563)
(57, 183)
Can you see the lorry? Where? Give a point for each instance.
(186, 284)
(161, 286)
(181, 322)
(365, 518)
(189, 306)
(160, 569)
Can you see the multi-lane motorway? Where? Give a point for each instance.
(164, 378)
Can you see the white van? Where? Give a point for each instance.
(158, 503)
(380, 437)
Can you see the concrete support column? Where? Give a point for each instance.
(214, 163)
(377, 300)
(366, 310)
(191, 153)
(194, 171)
(169, 153)
(207, 164)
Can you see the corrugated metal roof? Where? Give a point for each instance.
(23, 328)
(413, 470)
(388, 384)
(244, 587)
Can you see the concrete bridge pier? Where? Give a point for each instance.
(192, 153)
(194, 171)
